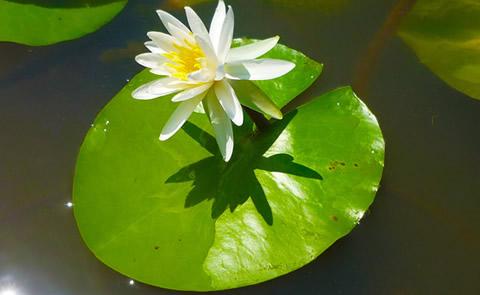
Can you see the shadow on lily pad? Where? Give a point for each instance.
(231, 184)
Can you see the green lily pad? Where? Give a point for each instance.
(444, 35)
(45, 22)
(173, 214)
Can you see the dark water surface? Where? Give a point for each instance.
(421, 235)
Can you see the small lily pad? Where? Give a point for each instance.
(173, 214)
(43, 23)
(444, 35)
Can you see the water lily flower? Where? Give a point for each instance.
(199, 66)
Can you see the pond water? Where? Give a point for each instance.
(420, 236)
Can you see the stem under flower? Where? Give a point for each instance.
(260, 121)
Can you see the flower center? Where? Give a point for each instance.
(185, 60)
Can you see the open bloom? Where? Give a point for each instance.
(199, 66)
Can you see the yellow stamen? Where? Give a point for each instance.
(185, 60)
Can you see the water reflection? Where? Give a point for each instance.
(7, 284)
(119, 54)
(179, 4)
(9, 291)
(8, 287)
(320, 5)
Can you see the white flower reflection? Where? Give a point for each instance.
(9, 287)
(9, 291)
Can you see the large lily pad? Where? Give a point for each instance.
(47, 22)
(444, 35)
(173, 214)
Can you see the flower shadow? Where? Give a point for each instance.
(231, 184)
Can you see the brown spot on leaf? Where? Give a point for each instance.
(334, 165)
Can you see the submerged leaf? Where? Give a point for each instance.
(444, 35)
(43, 23)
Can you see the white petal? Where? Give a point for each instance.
(192, 92)
(202, 38)
(253, 97)
(209, 52)
(170, 82)
(258, 69)
(151, 60)
(217, 24)
(252, 51)
(154, 48)
(157, 88)
(196, 23)
(167, 18)
(199, 109)
(180, 116)
(160, 71)
(142, 93)
(179, 34)
(225, 40)
(229, 101)
(202, 75)
(162, 40)
(222, 126)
